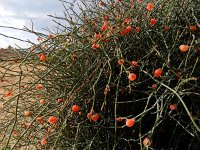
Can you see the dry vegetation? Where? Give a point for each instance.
(16, 78)
(128, 78)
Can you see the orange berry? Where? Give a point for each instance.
(89, 115)
(193, 28)
(132, 76)
(14, 132)
(95, 117)
(43, 141)
(158, 72)
(27, 113)
(42, 57)
(95, 46)
(52, 120)
(42, 101)
(172, 107)
(75, 108)
(130, 122)
(128, 29)
(127, 20)
(134, 63)
(183, 48)
(59, 100)
(153, 21)
(104, 27)
(97, 35)
(121, 62)
(39, 86)
(8, 93)
(123, 32)
(147, 142)
(149, 6)
(101, 4)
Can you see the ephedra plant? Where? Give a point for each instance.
(119, 75)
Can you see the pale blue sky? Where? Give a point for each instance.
(19, 13)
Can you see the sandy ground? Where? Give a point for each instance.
(10, 73)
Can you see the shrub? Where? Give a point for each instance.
(121, 65)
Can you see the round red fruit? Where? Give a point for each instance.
(75, 108)
(158, 72)
(95, 117)
(130, 122)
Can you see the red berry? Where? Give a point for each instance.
(8, 93)
(104, 27)
(97, 35)
(27, 113)
(193, 28)
(130, 122)
(123, 32)
(149, 6)
(121, 61)
(128, 29)
(132, 76)
(43, 141)
(95, 117)
(172, 107)
(101, 4)
(183, 48)
(134, 63)
(59, 100)
(153, 21)
(39, 86)
(158, 72)
(89, 115)
(52, 120)
(107, 17)
(95, 46)
(147, 142)
(42, 101)
(75, 108)
(43, 57)
(14, 132)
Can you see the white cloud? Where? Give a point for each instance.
(5, 12)
(19, 13)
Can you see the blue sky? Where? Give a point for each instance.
(19, 13)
